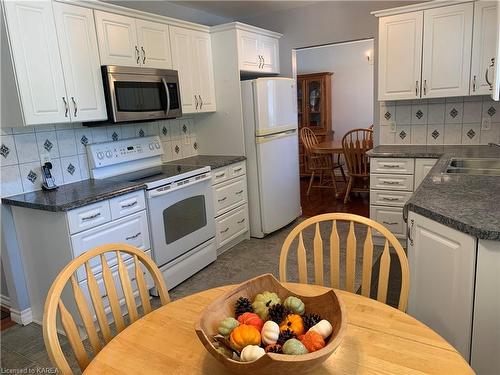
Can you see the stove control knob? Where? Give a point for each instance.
(100, 155)
(151, 146)
(108, 154)
(157, 145)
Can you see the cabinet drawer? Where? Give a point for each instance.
(392, 165)
(127, 204)
(389, 197)
(391, 218)
(237, 170)
(220, 175)
(229, 195)
(89, 216)
(132, 230)
(391, 182)
(231, 225)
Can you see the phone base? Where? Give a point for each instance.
(46, 187)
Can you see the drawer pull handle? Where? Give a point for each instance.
(87, 218)
(390, 199)
(134, 236)
(220, 175)
(239, 192)
(238, 169)
(241, 221)
(390, 182)
(129, 205)
(389, 222)
(390, 166)
(222, 199)
(225, 230)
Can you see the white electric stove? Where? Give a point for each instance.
(179, 198)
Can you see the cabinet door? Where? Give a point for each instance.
(182, 61)
(315, 105)
(268, 49)
(80, 59)
(400, 56)
(37, 64)
(447, 51)
(422, 167)
(442, 269)
(203, 71)
(483, 46)
(154, 44)
(248, 51)
(117, 39)
(496, 80)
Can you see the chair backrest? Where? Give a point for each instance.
(54, 303)
(308, 138)
(355, 144)
(350, 267)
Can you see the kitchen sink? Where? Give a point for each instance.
(474, 166)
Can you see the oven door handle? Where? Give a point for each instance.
(167, 91)
(159, 192)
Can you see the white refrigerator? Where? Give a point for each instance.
(271, 146)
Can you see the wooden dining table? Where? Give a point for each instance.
(379, 340)
(329, 147)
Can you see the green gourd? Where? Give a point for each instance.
(262, 303)
(295, 305)
(227, 325)
(294, 347)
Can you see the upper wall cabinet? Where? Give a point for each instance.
(483, 47)
(127, 41)
(56, 72)
(192, 58)
(258, 53)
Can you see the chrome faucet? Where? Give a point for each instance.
(494, 144)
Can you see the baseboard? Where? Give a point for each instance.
(4, 301)
(232, 243)
(24, 317)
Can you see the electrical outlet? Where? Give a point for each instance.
(486, 123)
(45, 158)
(393, 127)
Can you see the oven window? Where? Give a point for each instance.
(184, 217)
(140, 96)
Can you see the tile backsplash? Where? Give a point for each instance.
(462, 120)
(22, 149)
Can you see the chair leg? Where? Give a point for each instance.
(343, 174)
(348, 190)
(334, 182)
(310, 183)
(321, 178)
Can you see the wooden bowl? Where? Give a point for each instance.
(328, 306)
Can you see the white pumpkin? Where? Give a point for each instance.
(251, 353)
(323, 327)
(270, 333)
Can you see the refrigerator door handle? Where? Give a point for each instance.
(271, 137)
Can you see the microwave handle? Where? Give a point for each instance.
(168, 94)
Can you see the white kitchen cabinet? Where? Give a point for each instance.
(258, 53)
(496, 82)
(80, 60)
(154, 43)
(442, 264)
(422, 168)
(400, 56)
(192, 58)
(36, 62)
(447, 51)
(483, 47)
(269, 50)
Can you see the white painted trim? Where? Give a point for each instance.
(24, 317)
(4, 301)
(117, 9)
(244, 27)
(417, 7)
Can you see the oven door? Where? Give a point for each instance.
(181, 219)
(133, 97)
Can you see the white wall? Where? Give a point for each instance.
(352, 81)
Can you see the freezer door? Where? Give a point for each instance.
(278, 173)
(275, 105)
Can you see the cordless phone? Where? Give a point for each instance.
(48, 180)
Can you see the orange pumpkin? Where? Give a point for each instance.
(244, 335)
(294, 323)
(312, 341)
(251, 319)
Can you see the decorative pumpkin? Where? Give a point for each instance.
(295, 347)
(227, 325)
(251, 353)
(270, 333)
(295, 305)
(244, 335)
(312, 340)
(294, 323)
(262, 303)
(323, 327)
(251, 319)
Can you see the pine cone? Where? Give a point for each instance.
(274, 349)
(242, 306)
(310, 320)
(285, 335)
(277, 313)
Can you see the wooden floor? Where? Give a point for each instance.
(6, 322)
(322, 200)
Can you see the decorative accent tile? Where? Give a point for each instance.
(435, 134)
(84, 140)
(114, 133)
(114, 136)
(141, 133)
(177, 149)
(71, 169)
(387, 115)
(164, 130)
(47, 143)
(30, 176)
(4, 151)
(195, 145)
(492, 111)
(83, 137)
(471, 134)
(8, 150)
(184, 128)
(403, 133)
(419, 114)
(454, 112)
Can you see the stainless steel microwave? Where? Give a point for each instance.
(136, 94)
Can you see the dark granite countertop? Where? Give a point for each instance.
(470, 204)
(74, 195)
(213, 161)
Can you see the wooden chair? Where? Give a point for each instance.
(319, 163)
(355, 144)
(54, 303)
(334, 249)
